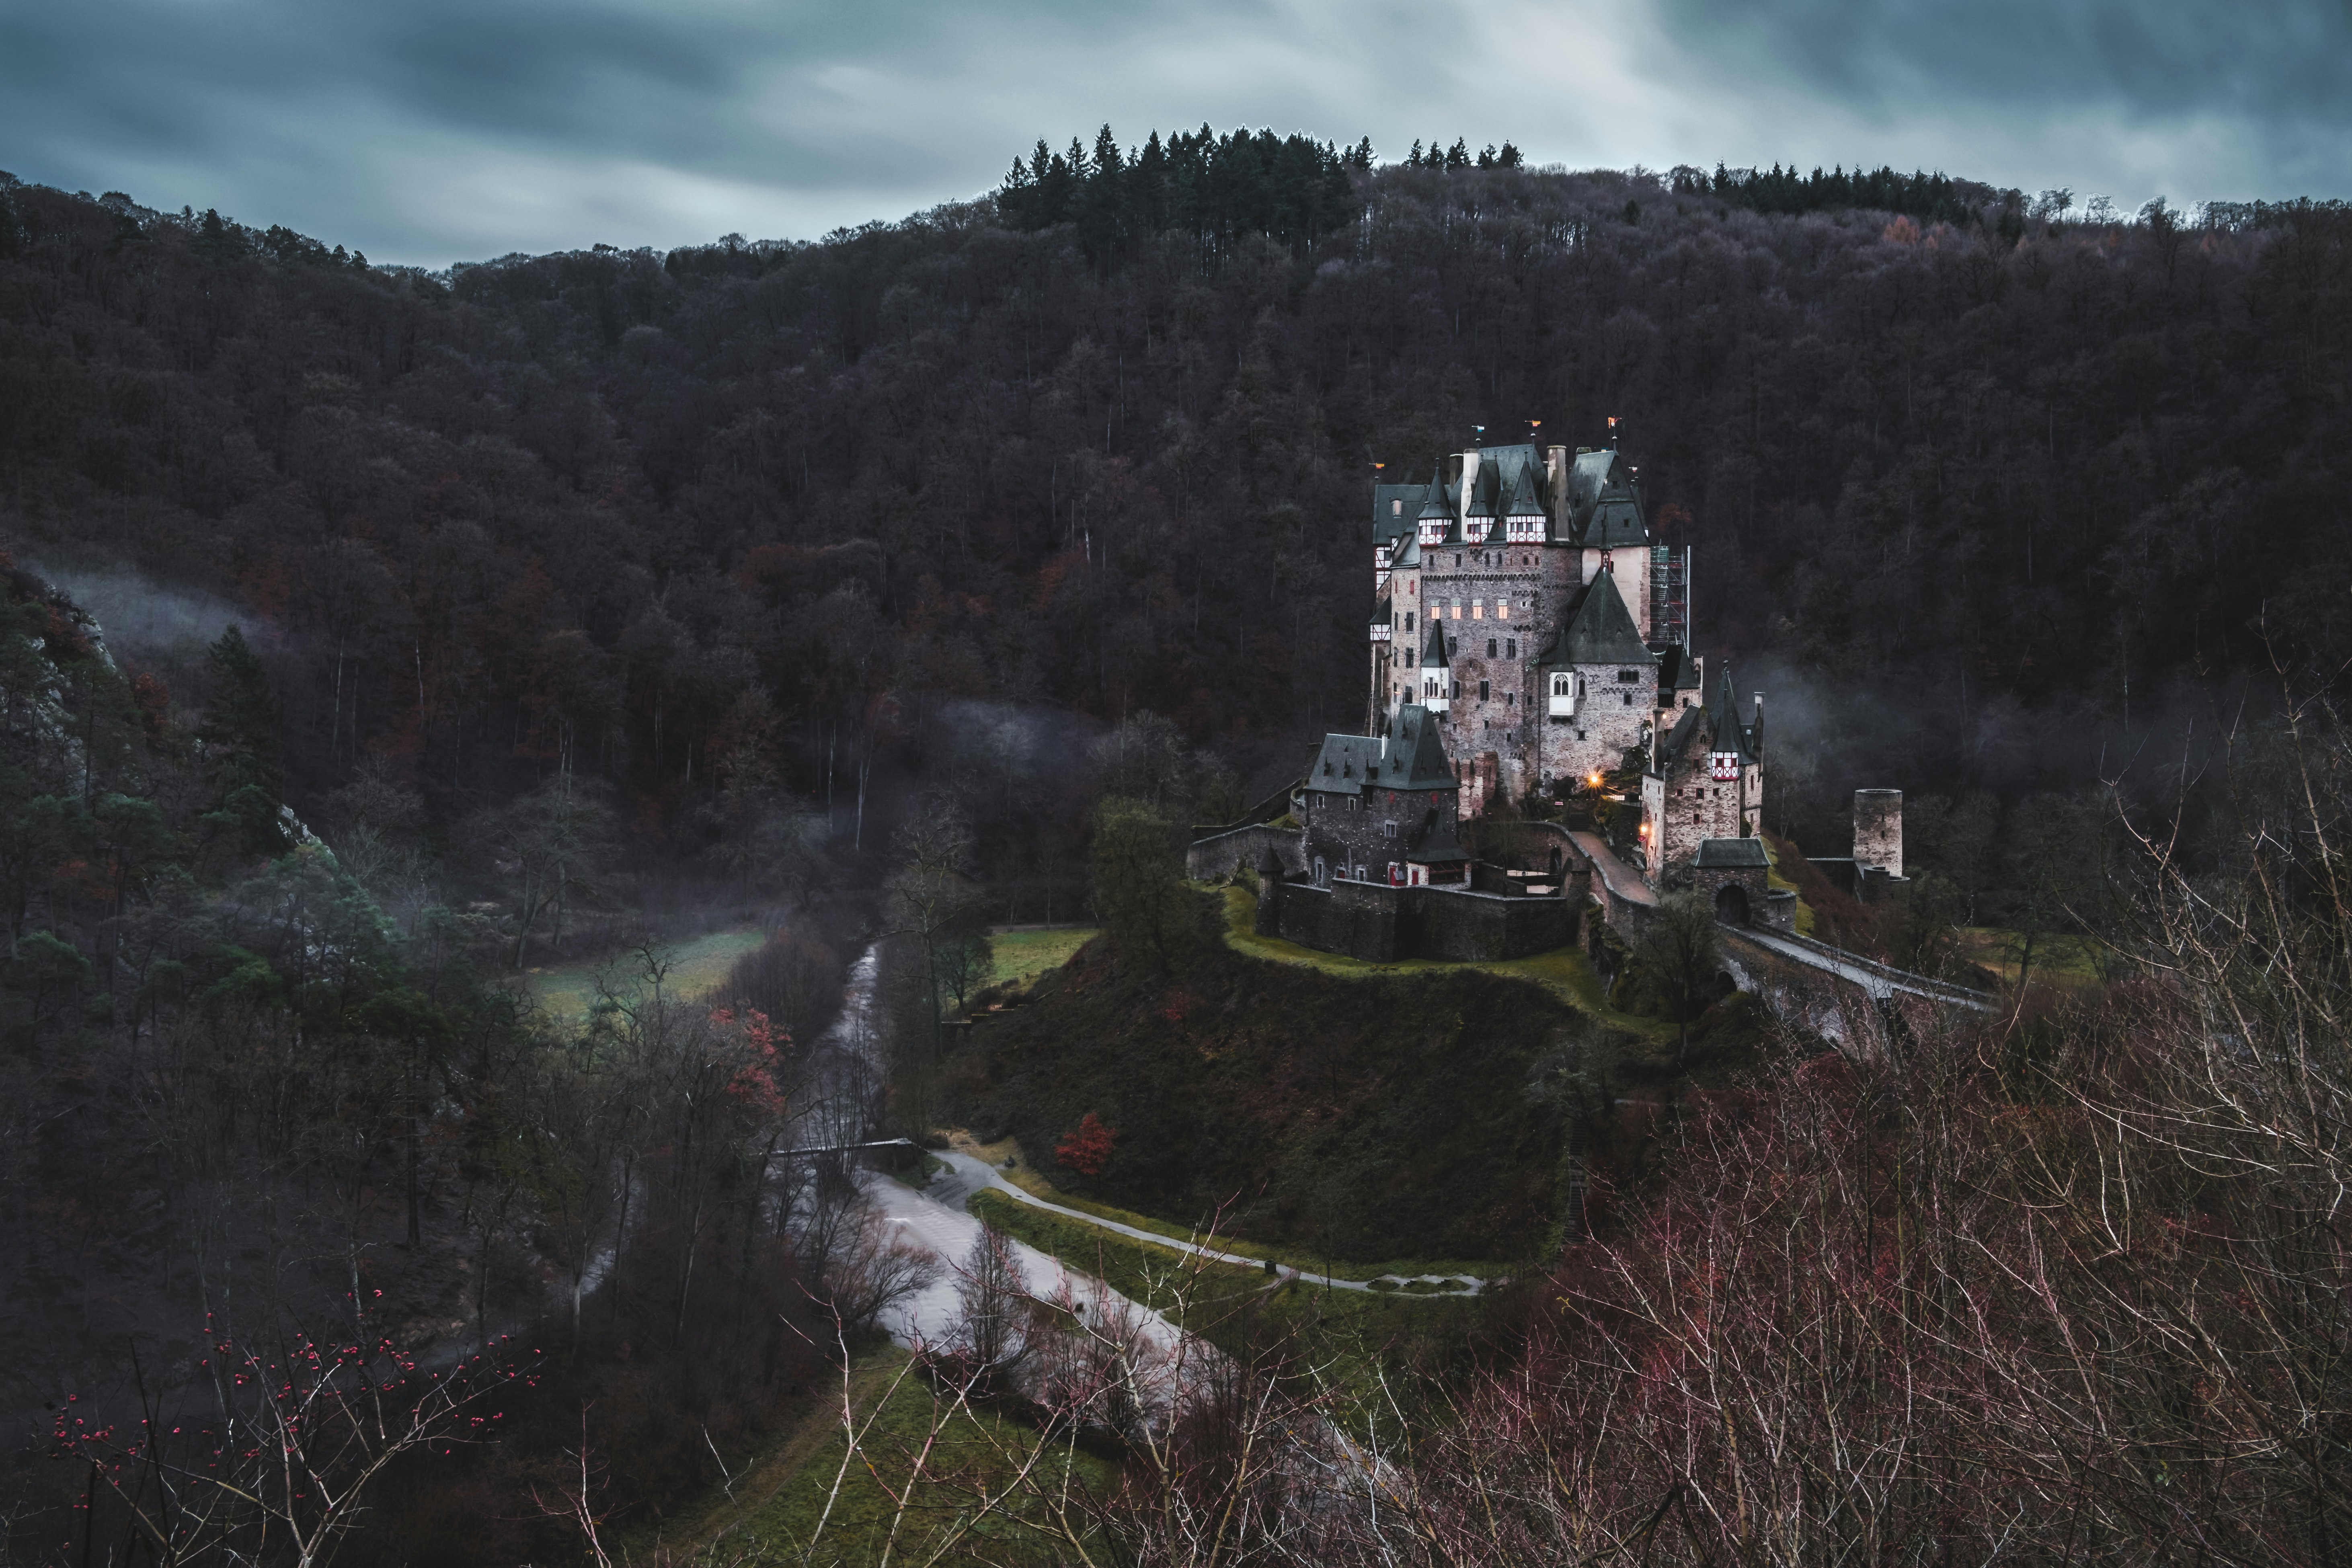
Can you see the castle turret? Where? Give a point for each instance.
(1437, 520)
(1436, 672)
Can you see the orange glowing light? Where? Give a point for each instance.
(1593, 779)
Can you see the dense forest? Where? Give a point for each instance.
(2002, 487)
(369, 635)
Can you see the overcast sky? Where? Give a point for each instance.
(432, 130)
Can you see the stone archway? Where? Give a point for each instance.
(1731, 904)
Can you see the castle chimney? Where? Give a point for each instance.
(1878, 829)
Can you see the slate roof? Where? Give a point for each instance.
(1389, 522)
(1730, 734)
(1732, 854)
(1587, 476)
(1434, 845)
(1408, 757)
(1520, 498)
(1689, 724)
(1433, 503)
(1433, 650)
(1678, 671)
(1600, 631)
(1615, 523)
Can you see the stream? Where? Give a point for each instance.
(933, 1220)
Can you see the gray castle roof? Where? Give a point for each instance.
(1732, 854)
(1433, 504)
(1520, 494)
(1388, 521)
(1690, 724)
(1601, 509)
(1600, 631)
(1408, 757)
(1678, 671)
(1432, 647)
(1730, 734)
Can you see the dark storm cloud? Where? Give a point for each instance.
(437, 131)
(2255, 96)
(2153, 62)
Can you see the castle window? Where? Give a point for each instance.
(1396, 509)
(1482, 691)
(1502, 610)
(1510, 699)
(1511, 649)
(1457, 689)
(1629, 699)
(1477, 609)
(1628, 677)
(1490, 647)
(1408, 620)
(1388, 830)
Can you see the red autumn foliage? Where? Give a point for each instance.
(1088, 1149)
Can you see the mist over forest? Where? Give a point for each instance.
(384, 651)
(2022, 488)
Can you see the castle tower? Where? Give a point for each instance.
(1436, 673)
(1878, 829)
(1706, 781)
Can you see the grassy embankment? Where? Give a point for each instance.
(769, 1514)
(2066, 963)
(1806, 920)
(696, 968)
(1567, 973)
(1022, 955)
(1386, 1118)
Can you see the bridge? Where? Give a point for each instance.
(1879, 982)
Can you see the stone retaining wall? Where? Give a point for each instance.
(1381, 924)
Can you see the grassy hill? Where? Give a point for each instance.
(1374, 1116)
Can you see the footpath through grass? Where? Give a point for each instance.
(1351, 1337)
(1565, 972)
(1034, 1182)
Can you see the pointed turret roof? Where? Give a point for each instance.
(1602, 631)
(1435, 506)
(1730, 735)
(1519, 494)
(1432, 647)
(1481, 502)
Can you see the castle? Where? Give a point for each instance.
(1524, 604)
(1531, 641)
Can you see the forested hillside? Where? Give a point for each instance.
(840, 510)
(417, 629)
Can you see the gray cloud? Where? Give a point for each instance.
(441, 131)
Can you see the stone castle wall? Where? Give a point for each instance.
(1381, 924)
(1214, 858)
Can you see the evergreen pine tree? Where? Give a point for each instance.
(241, 740)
